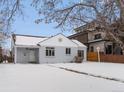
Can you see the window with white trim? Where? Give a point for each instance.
(68, 51)
(80, 53)
(50, 51)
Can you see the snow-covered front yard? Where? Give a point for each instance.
(110, 70)
(49, 77)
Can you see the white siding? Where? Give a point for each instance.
(60, 55)
(60, 47)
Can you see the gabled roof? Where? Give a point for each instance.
(79, 43)
(28, 40)
(57, 40)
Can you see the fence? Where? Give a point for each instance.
(92, 56)
(9, 59)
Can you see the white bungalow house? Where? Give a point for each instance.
(55, 49)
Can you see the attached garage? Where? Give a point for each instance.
(27, 55)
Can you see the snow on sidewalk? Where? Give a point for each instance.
(105, 70)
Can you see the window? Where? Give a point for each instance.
(97, 36)
(50, 51)
(91, 49)
(80, 53)
(68, 51)
(109, 49)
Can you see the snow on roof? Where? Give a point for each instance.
(78, 43)
(58, 40)
(28, 40)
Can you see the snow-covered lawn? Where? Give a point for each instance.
(42, 77)
(110, 70)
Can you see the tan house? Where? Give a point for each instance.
(93, 36)
(80, 36)
(99, 39)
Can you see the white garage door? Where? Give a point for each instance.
(32, 55)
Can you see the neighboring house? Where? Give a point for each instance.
(99, 39)
(55, 49)
(94, 37)
(81, 36)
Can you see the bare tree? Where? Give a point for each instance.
(121, 6)
(65, 13)
(70, 14)
(75, 13)
(9, 9)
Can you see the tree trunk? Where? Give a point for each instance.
(121, 6)
(122, 14)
